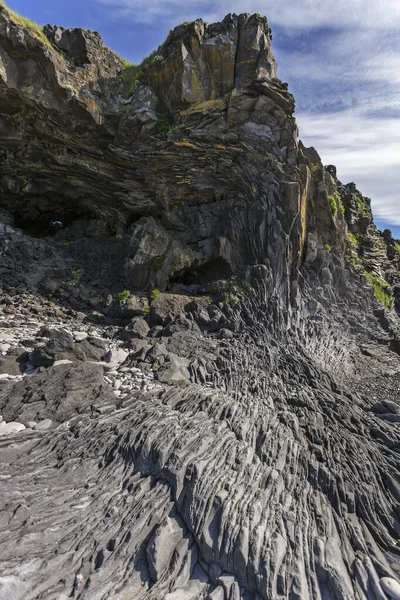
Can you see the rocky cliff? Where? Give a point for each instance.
(199, 333)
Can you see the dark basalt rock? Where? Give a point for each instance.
(82, 47)
(231, 270)
(60, 346)
(59, 393)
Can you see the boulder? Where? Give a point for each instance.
(61, 346)
(135, 306)
(115, 357)
(10, 366)
(175, 370)
(165, 307)
(138, 328)
(43, 425)
(58, 393)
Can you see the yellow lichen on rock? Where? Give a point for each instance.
(203, 107)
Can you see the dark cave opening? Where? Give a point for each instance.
(49, 224)
(43, 227)
(213, 270)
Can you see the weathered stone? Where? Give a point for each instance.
(138, 328)
(43, 425)
(166, 307)
(161, 547)
(10, 428)
(79, 336)
(58, 393)
(135, 306)
(391, 587)
(115, 357)
(175, 370)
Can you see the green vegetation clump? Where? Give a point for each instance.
(327, 247)
(163, 125)
(123, 296)
(158, 263)
(232, 291)
(76, 273)
(353, 238)
(154, 294)
(133, 75)
(380, 285)
(335, 201)
(35, 29)
(362, 208)
(340, 201)
(333, 205)
(130, 75)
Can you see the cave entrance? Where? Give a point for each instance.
(46, 225)
(213, 270)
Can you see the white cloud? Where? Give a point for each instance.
(346, 78)
(364, 150)
(304, 14)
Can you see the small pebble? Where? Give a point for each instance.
(391, 587)
(12, 427)
(43, 425)
(79, 336)
(64, 361)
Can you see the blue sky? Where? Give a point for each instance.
(340, 57)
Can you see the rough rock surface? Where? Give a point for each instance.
(200, 371)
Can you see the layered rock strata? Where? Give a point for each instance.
(203, 400)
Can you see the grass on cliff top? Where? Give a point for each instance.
(130, 75)
(362, 208)
(133, 75)
(35, 29)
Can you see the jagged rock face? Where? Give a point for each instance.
(83, 48)
(38, 73)
(241, 133)
(243, 441)
(200, 63)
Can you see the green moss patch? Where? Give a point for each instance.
(354, 238)
(154, 294)
(380, 286)
(336, 202)
(333, 205)
(123, 296)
